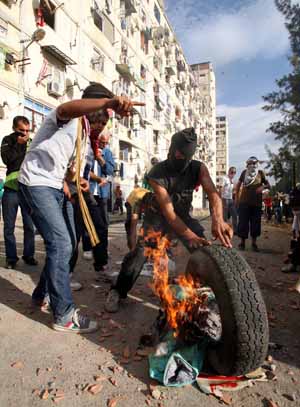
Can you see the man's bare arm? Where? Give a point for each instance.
(220, 229)
(80, 107)
(166, 206)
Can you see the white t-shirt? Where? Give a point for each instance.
(50, 152)
(227, 187)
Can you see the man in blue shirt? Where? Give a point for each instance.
(102, 167)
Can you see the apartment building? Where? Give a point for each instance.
(205, 105)
(222, 147)
(50, 50)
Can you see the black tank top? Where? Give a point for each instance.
(180, 187)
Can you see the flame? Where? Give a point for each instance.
(177, 310)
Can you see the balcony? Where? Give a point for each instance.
(130, 7)
(181, 66)
(170, 71)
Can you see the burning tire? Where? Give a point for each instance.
(245, 333)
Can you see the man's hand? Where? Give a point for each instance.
(123, 106)
(102, 182)
(195, 241)
(67, 191)
(23, 139)
(222, 231)
(84, 185)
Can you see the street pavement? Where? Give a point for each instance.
(39, 366)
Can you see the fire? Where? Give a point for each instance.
(177, 309)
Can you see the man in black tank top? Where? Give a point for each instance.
(173, 182)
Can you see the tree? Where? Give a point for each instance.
(286, 99)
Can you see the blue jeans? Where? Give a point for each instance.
(10, 205)
(53, 218)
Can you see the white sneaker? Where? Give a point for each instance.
(76, 323)
(88, 255)
(147, 270)
(75, 285)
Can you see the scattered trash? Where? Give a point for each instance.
(270, 403)
(156, 394)
(44, 394)
(99, 378)
(113, 381)
(215, 385)
(17, 365)
(113, 402)
(290, 397)
(95, 389)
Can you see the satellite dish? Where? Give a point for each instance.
(38, 35)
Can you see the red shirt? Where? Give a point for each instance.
(268, 202)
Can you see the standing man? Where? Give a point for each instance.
(41, 189)
(173, 182)
(102, 167)
(118, 206)
(227, 192)
(249, 191)
(13, 150)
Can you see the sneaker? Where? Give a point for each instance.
(104, 271)
(112, 301)
(255, 247)
(43, 305)
(30, 260)
(88, 255)
(10, 264)
(289, 268)
(75, 285)
(76, 323)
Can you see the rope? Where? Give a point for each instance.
(83, 206)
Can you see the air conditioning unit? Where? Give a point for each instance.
(56, 85)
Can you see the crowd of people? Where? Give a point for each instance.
(60, 180)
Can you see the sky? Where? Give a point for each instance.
(248, 44)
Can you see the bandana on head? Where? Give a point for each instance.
(185, 142)
(251, 171)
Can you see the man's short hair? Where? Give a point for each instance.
(96, 117)
(232, 168)
(96, 91)
(19, 119)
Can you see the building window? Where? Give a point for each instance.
(97, 17)
(125, 151)
(7, 2)
(48, 10)
(109, 30)
(97, 61)
(157, 13)
(103, 23)
(3, 28)
(35, 113)
(155, 137)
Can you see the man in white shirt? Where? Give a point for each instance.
(226, 193)
(41, 190)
